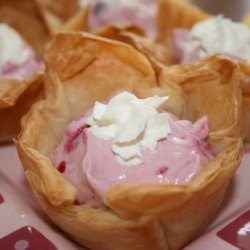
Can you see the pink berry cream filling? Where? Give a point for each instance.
(24, 70)
(89, 164)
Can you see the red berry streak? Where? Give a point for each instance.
(62, 167)
(71, 142)
(162, 170)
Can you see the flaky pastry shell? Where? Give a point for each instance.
(181, 14)
(17, 95)
(135, 36)
(83, 68)
(66, 15)
(16, 98)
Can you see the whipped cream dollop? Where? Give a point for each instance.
(167, 150)
(17, 59)
(214, 35)
(12, 47)
(140, 12)
(132, 124)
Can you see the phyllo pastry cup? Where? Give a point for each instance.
(17, 93)
(135, 36)
(67, 15)
(186, 15)
(83, 68)
(16, 98)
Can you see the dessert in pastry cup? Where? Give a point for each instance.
(213, 35)
(99, 13)
(20, 80)
(193, 34)
(142, 13)
(23, 38)
(140, 143)
(83, 69)
(96, 17)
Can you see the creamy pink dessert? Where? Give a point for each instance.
(17, 59)
(214, 35)
(130, 140)
(141, 12)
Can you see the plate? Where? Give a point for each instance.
(24, 226)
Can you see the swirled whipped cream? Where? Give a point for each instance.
(132, 124)
(17, 59)
(140, 12)
(214, 35)
(132, 141)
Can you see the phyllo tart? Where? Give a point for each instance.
(125, 154)
(21, 70)
(132, 22)
(24, 34)
(193, 34)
